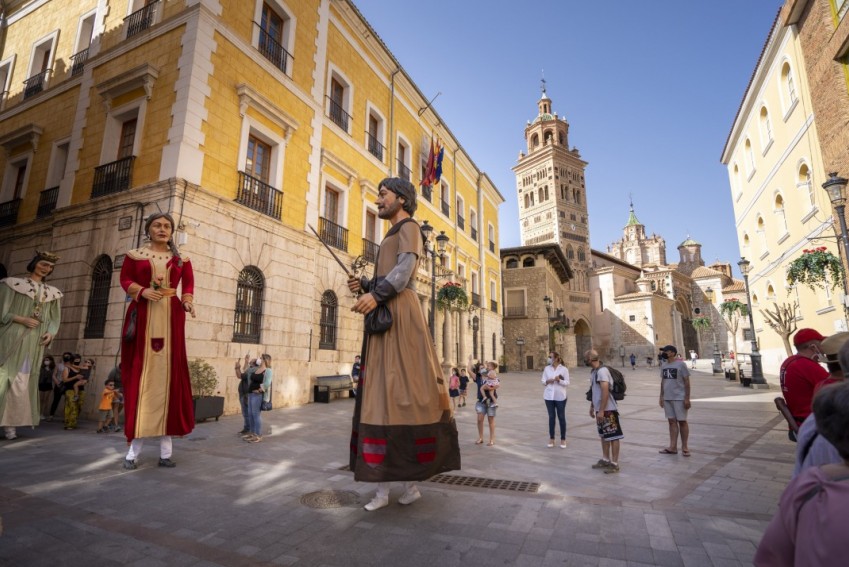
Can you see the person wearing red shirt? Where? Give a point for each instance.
(801, 373)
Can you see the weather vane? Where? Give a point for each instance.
(542, 81)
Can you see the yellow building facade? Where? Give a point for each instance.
(250, 121)
(776, 171)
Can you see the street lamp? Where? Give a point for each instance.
(441, 241)
(717, 356)
(757, 370)
(834, 187)
(548, 301)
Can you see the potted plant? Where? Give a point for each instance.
(452, 297)
(816, 268)
(204, 381)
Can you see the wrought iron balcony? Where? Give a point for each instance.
(520, 311)
(35, 84)
(140, 20)
(493, 306)
(461, 222)
(404, 171)
(375, 148)
(446, 210)
(47, 202)
(259, 196)
(492, 246)
(113, 177)
(476, 299)
(79, 60)
(337, 114)
(9, 212)
(332, 234)
(370, 250)
(427, 192)
(272, 50)
(474, 234)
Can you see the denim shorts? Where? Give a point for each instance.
(481, 407)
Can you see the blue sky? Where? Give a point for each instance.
(649, 88)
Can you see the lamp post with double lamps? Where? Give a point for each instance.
(717, 356)
(441, 242)
(835, 187)
(757, 370)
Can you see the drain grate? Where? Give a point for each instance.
(326, 499)
(490, 483)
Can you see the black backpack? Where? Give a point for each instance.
(619, 386)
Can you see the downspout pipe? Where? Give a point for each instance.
(392, 120)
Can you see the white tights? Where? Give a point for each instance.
(383, 488)
(164, 448)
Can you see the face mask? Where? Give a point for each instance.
(664, 356)
(550, 360)
(258, 361)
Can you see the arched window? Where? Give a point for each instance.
(527, 201)
(541, 195)
(329, 304)
(528, 263)
(780, 215)
(247, 323)
(570, 252)
(770, 292)
(98, 298)
(804, 183)
(546, 192)
(534, 141)
(789, 84)
(512, 263)
(750, 157)
(582, 257)
(766, 127)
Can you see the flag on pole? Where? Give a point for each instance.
(427, 180)
(437, 174)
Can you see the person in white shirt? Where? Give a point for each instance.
(555, 378)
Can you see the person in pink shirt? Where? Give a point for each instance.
(809, 527)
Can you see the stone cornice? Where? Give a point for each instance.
(250, 98)
(144, 76)
(30, 133)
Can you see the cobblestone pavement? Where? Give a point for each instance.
(65, 499)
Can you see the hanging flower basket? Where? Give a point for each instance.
(731, 307)
(560, 328)
(701, 323)
(816, 268)
(452, 297)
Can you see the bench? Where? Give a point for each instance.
(325, 385)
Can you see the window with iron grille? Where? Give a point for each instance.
(329, 303)
(247, 323)
(98, 298)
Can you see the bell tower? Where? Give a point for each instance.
(552, 192)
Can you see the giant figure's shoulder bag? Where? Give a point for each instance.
(379, 319)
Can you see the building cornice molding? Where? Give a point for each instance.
(250, 98)
(28, 134)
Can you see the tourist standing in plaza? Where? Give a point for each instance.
(45, 385)
(259, 391)
(801, 373)
(675, 399)
(809, 527)
(58, 385)
(403, 426)
(633, 359)
(29, 319)
(157, 389)
(464, 385)
(813, 449)
(606, 413)
(555, 378)
(482, 409)
(73, 388)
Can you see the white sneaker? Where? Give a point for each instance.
(550, 444)
(410, 496)
(11, 433)
(377, 503)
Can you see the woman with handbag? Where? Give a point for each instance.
(154, 368)
(259, 395)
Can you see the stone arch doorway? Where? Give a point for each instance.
(689, 335)
(583, 340)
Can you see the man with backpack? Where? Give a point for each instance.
(675, 399)
(605, 411)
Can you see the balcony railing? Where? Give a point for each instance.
(476, 299)
(259, 196)
(79, 60)
(492, 246)
(113, 177)
(520, 311)
(47, 202)
(370, 250)
(9, 212)
(446, 210)
(35, 84)
(474, 234)
(404, 171)
(375, 148)
(332, 234)
(140, 20)
(493, 306)
(427, 192)
(337, 114)
(272, 50)
(461, 222)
